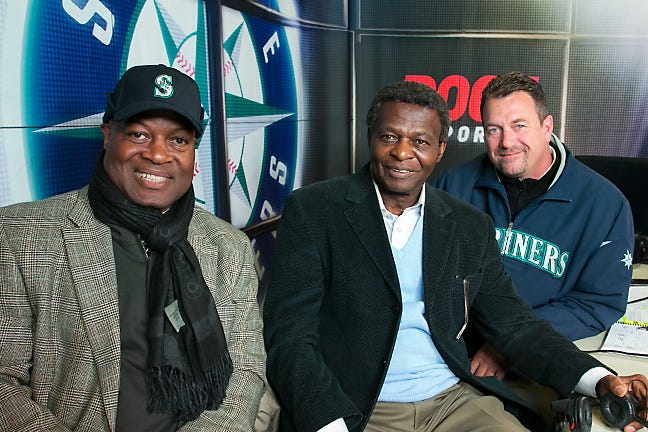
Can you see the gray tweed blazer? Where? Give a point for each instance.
(59, 318)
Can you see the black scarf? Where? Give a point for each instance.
(189, 369)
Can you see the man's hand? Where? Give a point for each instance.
(488, 362)
(620, 385)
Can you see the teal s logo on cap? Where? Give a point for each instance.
(163, 86)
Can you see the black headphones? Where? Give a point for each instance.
(575, 414)
(619, 411)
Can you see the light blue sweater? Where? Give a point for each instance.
(416, 371)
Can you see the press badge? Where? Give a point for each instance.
(173, 313)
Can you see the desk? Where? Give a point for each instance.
(640, 271)
(622, 364)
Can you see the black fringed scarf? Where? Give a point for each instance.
(189, 369)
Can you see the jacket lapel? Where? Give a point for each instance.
(92, 265)
(363, 214)
(438, 237)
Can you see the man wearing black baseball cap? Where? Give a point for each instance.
(124, 306)
(146, 88)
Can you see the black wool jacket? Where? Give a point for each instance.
(333, 304)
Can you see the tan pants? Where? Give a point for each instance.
(460, 408)
(267, 419)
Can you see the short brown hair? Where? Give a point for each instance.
(504, 85)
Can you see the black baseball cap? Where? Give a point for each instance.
(151, 87)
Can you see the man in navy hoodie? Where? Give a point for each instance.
(565, 233)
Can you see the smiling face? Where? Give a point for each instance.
(516, 139)
(150, 157)
(405, 148)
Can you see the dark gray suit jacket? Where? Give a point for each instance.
(333, 304)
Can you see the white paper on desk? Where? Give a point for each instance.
(636, 314)
(630, 333)
(626, 338)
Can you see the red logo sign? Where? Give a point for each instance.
(468, 97)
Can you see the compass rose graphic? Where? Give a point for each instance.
(156, 31)
(627, 259)
(261, 116)
(89, 45)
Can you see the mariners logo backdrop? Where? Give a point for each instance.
(71, 55)
(262, 115)
(60, 58)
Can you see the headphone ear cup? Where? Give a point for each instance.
(582, 414)
(618, 411)
(573, 412)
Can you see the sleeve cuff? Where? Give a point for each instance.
(335, 426)
(587, 384)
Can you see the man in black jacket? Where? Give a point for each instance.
(375, 279)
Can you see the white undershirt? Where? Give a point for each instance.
(400, 227)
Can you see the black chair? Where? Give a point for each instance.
(630, 176)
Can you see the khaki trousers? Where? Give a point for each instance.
(460, 408)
